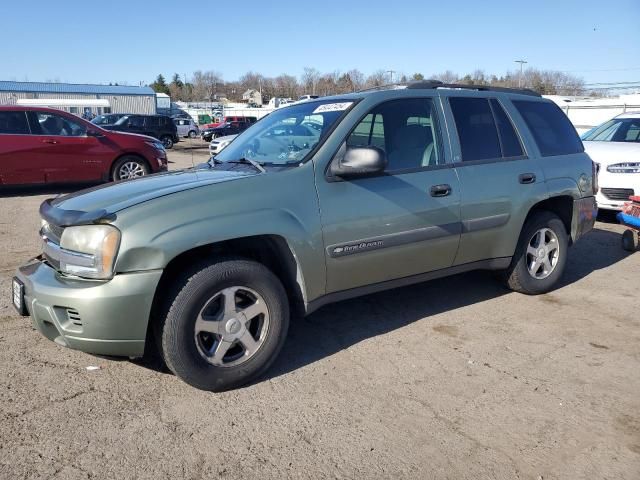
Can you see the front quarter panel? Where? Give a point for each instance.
(282, 203)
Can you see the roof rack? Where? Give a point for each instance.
(433, 84)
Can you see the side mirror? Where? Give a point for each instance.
(94, 133)
(359, 162)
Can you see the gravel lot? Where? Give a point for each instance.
(456, 378)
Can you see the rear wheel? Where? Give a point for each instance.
(226, 324)
(167, 141)
(129, 167)
(541, 255)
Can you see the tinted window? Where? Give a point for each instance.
(476, 128)
(405, 130)
(13, 123)
(550, 128)
(135, 121)
(616, 130)
(509, 141)
(51, 124)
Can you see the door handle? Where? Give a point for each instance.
(440, 190)
(49, 140)
(527, 178)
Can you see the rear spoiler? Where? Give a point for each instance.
(67, 218)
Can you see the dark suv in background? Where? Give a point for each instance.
(107, 119)
(161, 127)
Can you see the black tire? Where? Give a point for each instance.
(167, 141)
(191, 294)
(192, 134)
(517, 275)
(117, 172)
(630, 241)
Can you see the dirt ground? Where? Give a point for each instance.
(457, 378)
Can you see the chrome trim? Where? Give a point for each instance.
(58, 255)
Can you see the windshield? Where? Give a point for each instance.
(122, 121)
(287, 135)
(100, 120)
(616, 130)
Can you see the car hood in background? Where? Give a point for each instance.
(608, 153)
(113, 197)
(226, 138)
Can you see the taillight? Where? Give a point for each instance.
(595, 168)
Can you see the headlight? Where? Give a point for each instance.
(91, 250)
(629, 167)
(157, 145)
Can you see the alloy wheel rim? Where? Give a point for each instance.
(167, 142)
(543, 252)
(231, 327)
(130, 170)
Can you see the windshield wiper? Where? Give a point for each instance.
(258, 166)
(214, 161)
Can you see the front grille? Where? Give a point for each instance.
(52, 232)
(620, 194)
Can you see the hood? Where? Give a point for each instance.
(608, 153)
(118, 133)
(108, 199)
(226, 138)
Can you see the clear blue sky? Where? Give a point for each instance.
(132, 41)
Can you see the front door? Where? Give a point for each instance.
(403, 222)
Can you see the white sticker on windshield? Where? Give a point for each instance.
(332, 107)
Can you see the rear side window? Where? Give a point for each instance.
(550, 128)
(476, 128)
(511, 146)
(13, 123)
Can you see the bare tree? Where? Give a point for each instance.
(286, 86)
(351, 81)
(447, 77)
(309, 79)
(206, 85)
(377, 79)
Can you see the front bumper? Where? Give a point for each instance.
(103, 318)
(585, 211)
(608, 181)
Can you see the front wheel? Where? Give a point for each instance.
(541, 255)
(193, 134)
(129, 167)
(167, 141)
(226, 324)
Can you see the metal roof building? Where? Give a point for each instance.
(79, 98)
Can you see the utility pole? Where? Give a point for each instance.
(521, 62)
(391, 72)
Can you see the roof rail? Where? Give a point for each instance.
(433, 84)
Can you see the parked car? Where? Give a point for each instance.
(43, 145)
(615, 146)
(207, 264)
(187, 127)
(228, 128)
(157, 126)
(107, 119)
(232, 119)
(220, 143)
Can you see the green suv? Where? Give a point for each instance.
(315, 203)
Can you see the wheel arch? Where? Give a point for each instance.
(560, 205)
(269, 250)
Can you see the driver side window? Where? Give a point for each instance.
(405, 129)
(52, 124)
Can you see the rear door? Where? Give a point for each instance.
(498, 179)
(19, 162)
(403, 222)
(64, 152)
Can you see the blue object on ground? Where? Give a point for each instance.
(628, 220)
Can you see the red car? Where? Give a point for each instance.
(44, 145)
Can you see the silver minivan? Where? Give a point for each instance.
(187, 127)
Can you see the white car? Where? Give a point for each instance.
(218, 144)
(615, 146)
